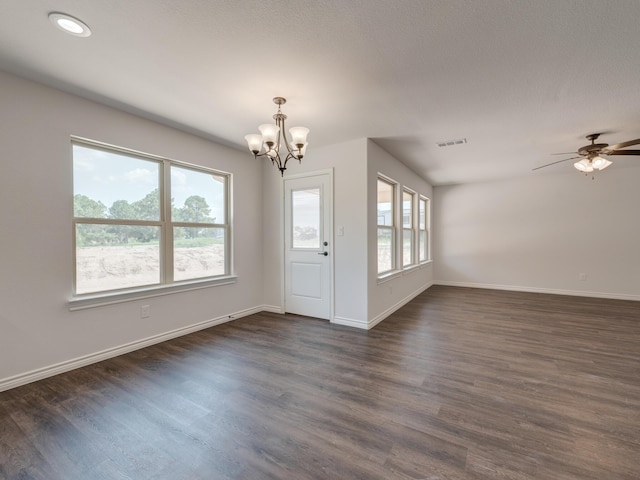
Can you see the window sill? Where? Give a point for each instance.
(81, 302)
(410, 268)
(398, 273)
(389, 276)
(417, 266)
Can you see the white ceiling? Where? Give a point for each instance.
(518, 79)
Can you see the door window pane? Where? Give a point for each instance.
(306, 214)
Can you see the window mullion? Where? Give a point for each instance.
(398, 220)
(115, 221)
(166, 267)
(416, 229)
(228, 228)
(427, 226)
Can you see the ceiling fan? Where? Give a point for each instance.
(590, 155)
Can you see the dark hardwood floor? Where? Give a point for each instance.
(459, 384)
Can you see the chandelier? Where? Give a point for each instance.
(272, 141)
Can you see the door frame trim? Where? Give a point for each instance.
(283, 267)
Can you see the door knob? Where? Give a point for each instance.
(323, 253)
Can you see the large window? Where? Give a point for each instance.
(423, 229)
(386, 226)
(403, 228)
(408, 230)
(145, 221)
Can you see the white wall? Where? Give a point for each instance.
(39, 335)
(540, 232)
(348, 161)
(359, 300)
(387, 296)
(272, 235)
(36, 328)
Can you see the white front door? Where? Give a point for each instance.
(308, 244)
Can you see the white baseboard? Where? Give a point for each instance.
(378, 318)
(272, 309)
(350, 322)
(62, 367)
(514, 288)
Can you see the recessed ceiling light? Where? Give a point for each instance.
(69, 24)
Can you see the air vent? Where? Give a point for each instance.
(450, 143)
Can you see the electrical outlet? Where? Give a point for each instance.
(583, 277)
(145, 311)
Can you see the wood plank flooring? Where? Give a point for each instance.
(458, 384)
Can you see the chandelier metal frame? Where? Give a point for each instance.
(272, 138)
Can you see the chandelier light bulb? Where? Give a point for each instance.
(269, 133)
(254, 140)
(299, 135)
(272, 153)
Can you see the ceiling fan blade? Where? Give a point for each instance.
(618, 146)
(623, 152)
(564, 153)
(553, 163)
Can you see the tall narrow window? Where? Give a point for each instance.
(143, 221)
(117, 218)
(408, 231)
(386, 226)
(198, 215)
(423, 229)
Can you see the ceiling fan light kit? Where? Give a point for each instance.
(272, 137)
(592, 155)
(588, 165)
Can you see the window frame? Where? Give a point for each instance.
(390, 228)
(426, 229)
(170, 250)
(412, 229)
(166, 283)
